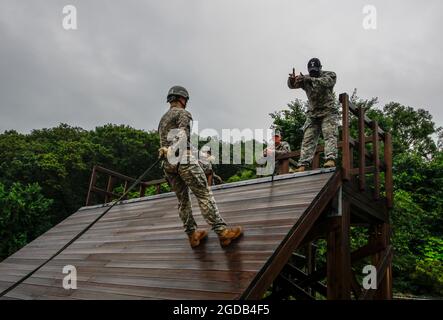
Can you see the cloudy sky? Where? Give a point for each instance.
(232, 55)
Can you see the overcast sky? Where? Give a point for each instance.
(232, 55)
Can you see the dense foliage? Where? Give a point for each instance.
(23, 216)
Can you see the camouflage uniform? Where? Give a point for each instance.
(187, 174)
(280, 149)
(322, 115)
(205, 162)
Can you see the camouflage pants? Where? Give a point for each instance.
(190, 176)
(313, 126)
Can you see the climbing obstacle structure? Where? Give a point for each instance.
(139, 250)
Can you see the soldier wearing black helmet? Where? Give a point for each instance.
(321, 115)
(184, 172)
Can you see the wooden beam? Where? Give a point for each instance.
(293, 239)
(366, 251)
(284, 166)
(368, 122)
(346, 156)
(388, 174)
(104, 192)
(296, 290)
(361, 148)
(321, 229)
(304, 280)
(316, 160)
(109, 188)
(91, 185)
(355, 286)
(365, 203)
(362, 171)
(339, 258)
(376, 160)
(381, 268)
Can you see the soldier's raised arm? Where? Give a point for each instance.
(326, 79)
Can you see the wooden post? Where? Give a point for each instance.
(109, 189)
(91, 185)
(125, 187)
(157, 188)
(381, 234)
(361, 148)
(316, 160)
(284, 166)
(346, 158)
(310, 261)
(142, 189)
(339, 258)
(376, 159)
(388, 173)
(351, 151)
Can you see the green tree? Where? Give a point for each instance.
(23, 216)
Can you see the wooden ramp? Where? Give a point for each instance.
(139, 250)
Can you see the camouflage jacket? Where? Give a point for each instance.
(205, 162)
(176, 123)
(320, 92)
(282, 148)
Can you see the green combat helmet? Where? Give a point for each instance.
(177, 91)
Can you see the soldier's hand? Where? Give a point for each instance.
(162, 152)
(299, 77)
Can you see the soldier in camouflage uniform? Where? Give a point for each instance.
(280, 148)
(206, 159)
(184, 172)
(322, 113)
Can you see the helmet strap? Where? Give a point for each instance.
(180, 100)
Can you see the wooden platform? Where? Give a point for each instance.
(139, 250)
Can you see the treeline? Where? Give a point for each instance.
(44, 175)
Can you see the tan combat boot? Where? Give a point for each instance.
(228, 235)
(300, 169)
(196, 237)
(329, 164)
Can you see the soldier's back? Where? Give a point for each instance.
(174, 118)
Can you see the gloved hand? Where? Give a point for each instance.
(299, 77)
(163, 152)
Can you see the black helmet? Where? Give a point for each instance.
(314, 66)
(177, 91)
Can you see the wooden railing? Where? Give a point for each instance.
(113, 179)
(347, 146)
